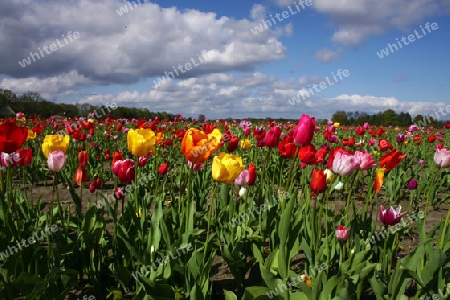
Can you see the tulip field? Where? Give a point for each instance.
(103, 208)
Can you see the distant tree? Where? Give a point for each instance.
(389, 117)
(201, 118)
(340, 116)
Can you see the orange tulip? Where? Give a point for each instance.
(392, 159)
(197, 146)
(387, 162)
(81, 176)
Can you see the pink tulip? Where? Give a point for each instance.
(390, 216)
(56, 161)
(344, 163)
(442, 157)
(246, 131)
(342, 233)
(242, 179)
(371, 142)
(304, 132)
(365, 160)
(196, 167)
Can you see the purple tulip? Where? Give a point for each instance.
(412, 184)
(400, 138)
(390, 216)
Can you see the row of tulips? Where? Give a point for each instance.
(318, 194)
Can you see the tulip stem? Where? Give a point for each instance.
(209, 220)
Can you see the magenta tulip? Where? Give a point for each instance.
(272, 137)
(304, 132)
(390, 216)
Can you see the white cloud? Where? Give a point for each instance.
(258, 12)
(143, 43)
(326, 55)
(357, 20)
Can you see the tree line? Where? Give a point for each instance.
(33, 104)
(385, 118)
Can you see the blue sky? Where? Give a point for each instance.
(121, 52)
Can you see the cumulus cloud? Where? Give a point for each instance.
(255, 95)
(356, 20)
(144, 42)
(326, 55)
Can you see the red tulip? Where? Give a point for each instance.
(126, 171)
(384, 145)
(83, 158)
(350, 142)
(119, 193)
(304, 132)
(251, 174)
(162, 169)
(318, 181)
(309, 155)
(144, 159)
(431, 138)
(92, 187)
(81, 176)
(360, 130)
(116, 156)
(98, 183)
(12, 136)
(25, 157)
(287, 147)
(233, 144)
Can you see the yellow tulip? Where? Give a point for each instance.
(245, 144)
(141, 141)
(55, 142)
(226, 167)
(31, 135)
(331, 177)
(336, 124)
